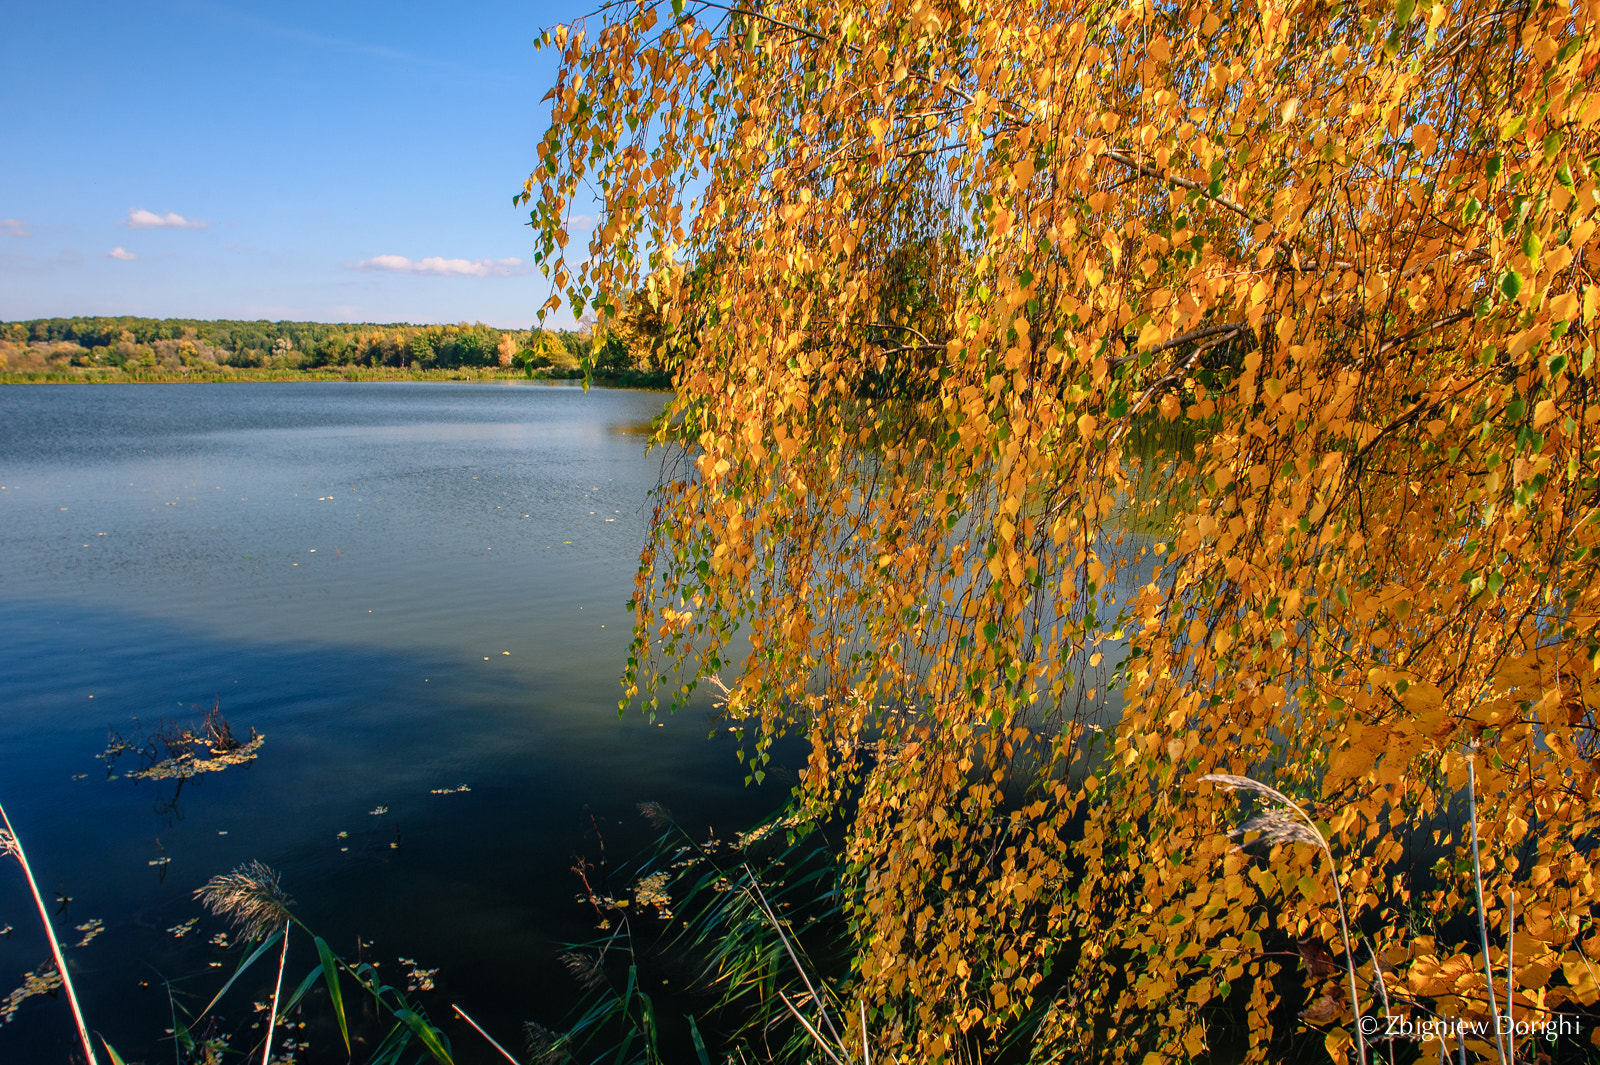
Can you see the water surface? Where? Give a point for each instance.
(405, 587)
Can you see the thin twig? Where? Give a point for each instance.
(1221, 201)
(14, 844)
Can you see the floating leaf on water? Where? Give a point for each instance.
(417, 979)
(90, 929)
(378, 810)
(178, 931)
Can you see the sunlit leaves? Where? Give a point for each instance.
(1127, 391)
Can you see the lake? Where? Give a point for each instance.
(405, 587)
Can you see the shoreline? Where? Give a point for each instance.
(96, 376)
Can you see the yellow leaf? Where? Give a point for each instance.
(1581, 978)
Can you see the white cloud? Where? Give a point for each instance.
(121, 253)
(437, 267)
(139, 218)
(14, 227)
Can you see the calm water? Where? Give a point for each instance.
(343, 567)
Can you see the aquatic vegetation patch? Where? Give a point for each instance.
(43, 980)
(172, 751)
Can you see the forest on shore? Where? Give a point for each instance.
(143, 349)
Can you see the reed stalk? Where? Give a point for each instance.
(272, 1021)
(14, 845)
(476, 1027)
(1483, 927)
(1277, 829)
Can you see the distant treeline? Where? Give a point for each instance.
(180, 345)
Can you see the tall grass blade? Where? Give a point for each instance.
(699, 1043)
(647, 1010)
(300, 992)
(116, 1059)
(627, 1011)
(476, 1027)
(14, 845)
(265, 946)
(427, 1033)
(393, 1045)
(182, 1039)
(330, 974)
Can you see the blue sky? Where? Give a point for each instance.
(282, 160)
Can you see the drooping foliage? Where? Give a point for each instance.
(1081, 399)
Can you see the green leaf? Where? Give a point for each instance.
(393, 1045)
(429, 1035)
(1511, 284)
(330, 973)
(251, 960)
(181, 1036)
(288, 1004)
(116, 1059)
(699, 1043)
(1532, 246)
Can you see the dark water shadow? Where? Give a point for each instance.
(357, 742)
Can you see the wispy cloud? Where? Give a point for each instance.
(65, 259)
(320, 40)
(122, 254)
(14, 227)
(139, 218)
(436, 267)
